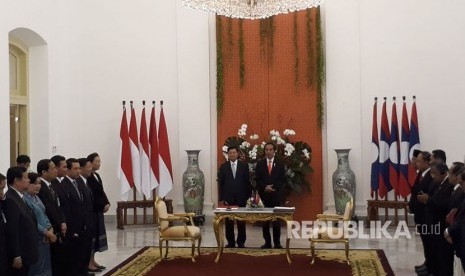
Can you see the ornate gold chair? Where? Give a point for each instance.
(178, 232)
(332, 228)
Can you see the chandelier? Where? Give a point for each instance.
(250, 9)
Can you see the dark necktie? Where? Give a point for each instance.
(77, 189)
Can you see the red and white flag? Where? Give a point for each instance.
(135, 157)
(125, 163)
(154, 155)
(144, 157)
(166, 173)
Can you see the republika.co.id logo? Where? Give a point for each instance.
(348, 229)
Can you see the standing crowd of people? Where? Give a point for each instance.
(51, 222)
(438, 204)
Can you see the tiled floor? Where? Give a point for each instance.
(402, 253)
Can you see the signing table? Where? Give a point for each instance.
(251, 215)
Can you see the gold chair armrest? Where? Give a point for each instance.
(334, 219)
(332, 216)
(184, 214)
(174, 218)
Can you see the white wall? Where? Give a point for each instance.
(99, 53)
(376, 48)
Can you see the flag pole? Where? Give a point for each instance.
(143, 195)
(161, 108)
(386, 211)
(134, 196)
(376, 193)
(154, 192)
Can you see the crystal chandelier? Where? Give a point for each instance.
(250, 9)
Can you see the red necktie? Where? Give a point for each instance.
(269, 166)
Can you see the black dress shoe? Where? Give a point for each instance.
(278, 246)
(102, 267)
(265, 246)
(241, 245)
(230, 246)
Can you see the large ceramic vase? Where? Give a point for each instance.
(343, 181)
(193, 184)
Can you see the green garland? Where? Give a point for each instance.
(296, 53)
(308, 25)
(321, 69)
(230, 39)
(241, 54)
(219, 68)
(263, 35)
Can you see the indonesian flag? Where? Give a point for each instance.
(154, 154)
(135, 156)
(414, 143)
(125, 168)
(404, 186)
(394, 151)
(144, 157)
(384, 185)
(374, 152)
(166, 173)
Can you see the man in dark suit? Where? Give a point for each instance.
(90, 216)
(22, 232)
(48, 172)
(455, 233)
(271, 179)
(3, 249)
(235, 189)
(440, 254)
(421, 185)
(71, 200)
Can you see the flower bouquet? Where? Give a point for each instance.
(254, 201)
(296, 156)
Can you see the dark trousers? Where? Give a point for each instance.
(57, 255)
(23, 271)
(230, 237)
(75, 263)
(440, 256)
(276, 232)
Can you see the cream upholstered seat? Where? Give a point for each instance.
(332, 228)
(178, 232)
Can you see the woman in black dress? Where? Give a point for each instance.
(101, 206)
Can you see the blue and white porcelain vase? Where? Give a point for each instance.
(343, 181)
(193, 184)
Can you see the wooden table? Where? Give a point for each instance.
(251, 215)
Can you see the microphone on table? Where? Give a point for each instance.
(227, 205)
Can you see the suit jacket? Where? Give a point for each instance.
(456, 198)
(416, 207)
(90, 215)
(72, 206)
(21, 228)
(437, 206)
(3, 241)
(96, 185)
(277, 178)
(457, 231)
(52, 206)
(236, 190)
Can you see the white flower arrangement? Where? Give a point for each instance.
(296, 156)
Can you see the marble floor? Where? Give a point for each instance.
(403, 253)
